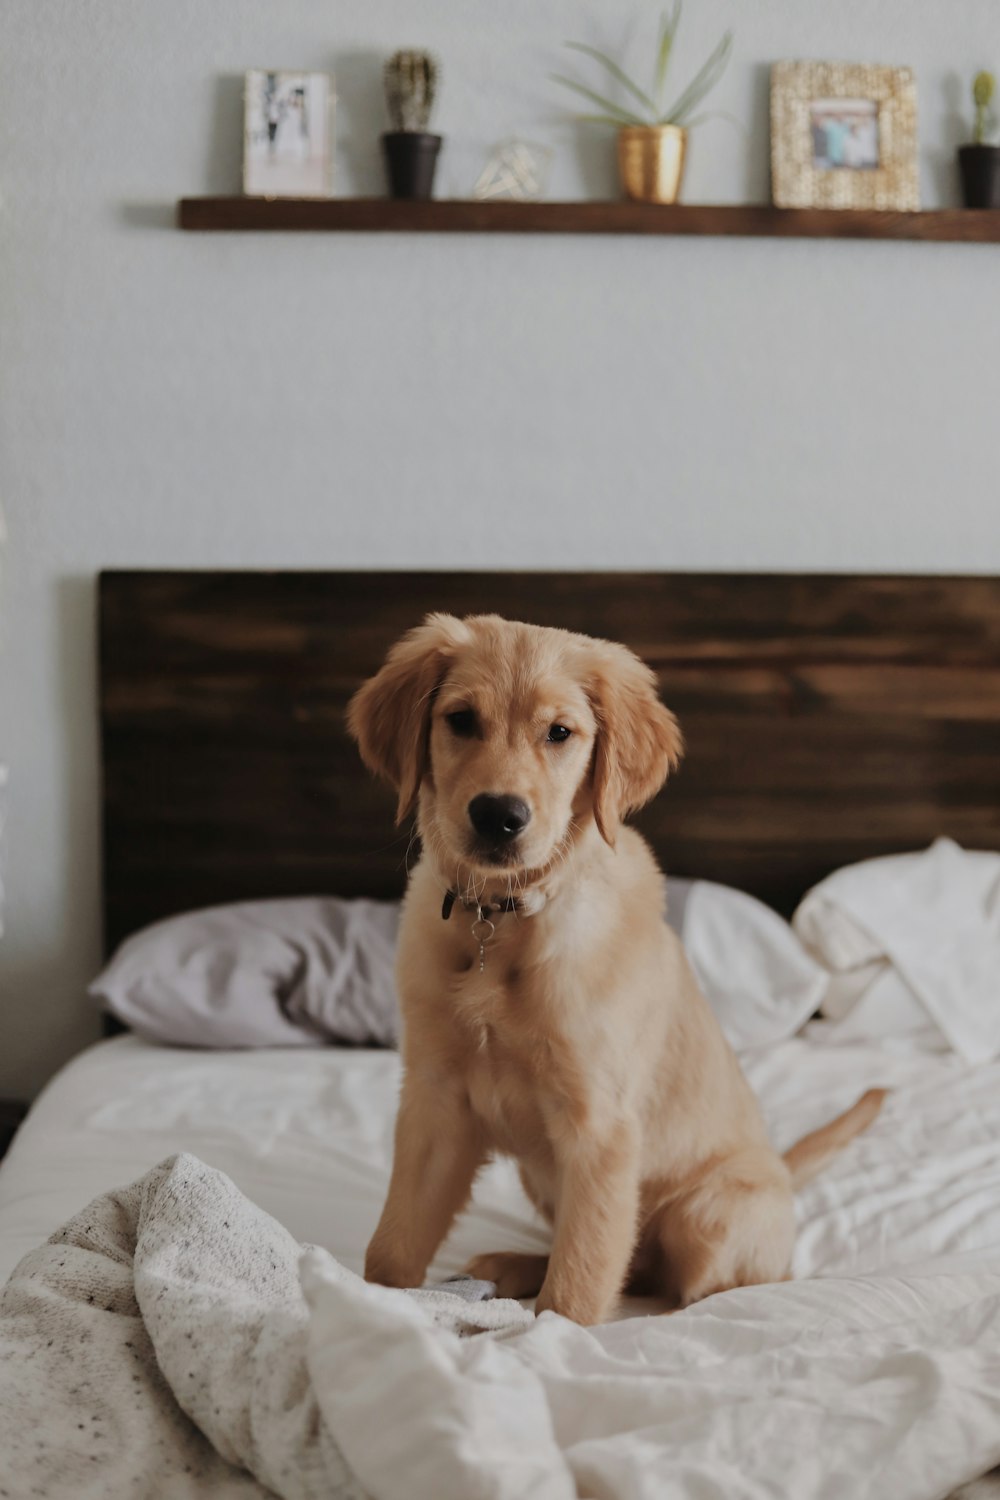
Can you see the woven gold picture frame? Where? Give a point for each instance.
(843, 135)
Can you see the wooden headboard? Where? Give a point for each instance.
(827, 719)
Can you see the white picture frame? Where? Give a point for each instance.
(287, 133)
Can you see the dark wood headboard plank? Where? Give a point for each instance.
(827, 719)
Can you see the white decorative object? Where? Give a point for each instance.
(517, 170)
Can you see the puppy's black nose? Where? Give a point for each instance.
(498, 818)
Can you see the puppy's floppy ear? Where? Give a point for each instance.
(389, 715)
(638, 740)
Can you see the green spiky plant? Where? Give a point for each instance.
(651, 109)
(984, 86)
(410, 86)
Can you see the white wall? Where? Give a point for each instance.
(190, 400)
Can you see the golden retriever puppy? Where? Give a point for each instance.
(549, 1012)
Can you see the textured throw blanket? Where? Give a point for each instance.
(174, 1341)
(158, 1345)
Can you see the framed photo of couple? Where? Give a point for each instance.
(843, 135)
(287, 133)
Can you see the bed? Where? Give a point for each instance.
(828, 720)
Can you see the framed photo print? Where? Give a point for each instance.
(843, 135)
(287, 134)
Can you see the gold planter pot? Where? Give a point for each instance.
(651, 161)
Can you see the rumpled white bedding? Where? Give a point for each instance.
(911, 944)
(160, 1343)
(892, 1350)
(175, 1297)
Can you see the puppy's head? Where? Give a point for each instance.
(512, 737)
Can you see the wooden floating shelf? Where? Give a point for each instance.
(456, 216)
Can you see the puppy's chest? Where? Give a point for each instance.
(512, 1052)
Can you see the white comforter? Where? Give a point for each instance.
(160, 1343)
(880, 1376)
(911, 947)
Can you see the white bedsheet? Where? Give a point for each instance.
(901, 1231)
(308, 1137)
(194, 1356)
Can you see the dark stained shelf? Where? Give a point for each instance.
(447, 216)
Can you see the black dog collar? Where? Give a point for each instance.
(511, 903)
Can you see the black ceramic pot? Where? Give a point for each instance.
(980, 169)
(410, 158)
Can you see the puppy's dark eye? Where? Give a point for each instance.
(557, 733)
(462, 722)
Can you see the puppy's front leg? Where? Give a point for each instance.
(438, 1150)
(597, 1210)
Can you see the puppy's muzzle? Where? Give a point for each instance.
(498, 820)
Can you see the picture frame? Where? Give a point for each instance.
(844, 135)
(287, 133)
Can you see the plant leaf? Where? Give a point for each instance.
(618, 73)
(621, 116)
(701, 84)
(668, 31)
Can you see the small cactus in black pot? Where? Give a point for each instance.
(410, 150)
(979, 163)
(984, 86)
(410, 87)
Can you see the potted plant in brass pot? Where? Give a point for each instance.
(411, 151)
(979, 162)
(652, 134)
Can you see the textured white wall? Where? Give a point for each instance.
(187, 400)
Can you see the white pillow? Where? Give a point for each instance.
(911, 943)
(758, 978)
(307, 971)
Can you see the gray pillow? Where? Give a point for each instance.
(309, 971)
(287, 973)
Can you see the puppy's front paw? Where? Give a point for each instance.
(575, 1303)
(514, 1273)
(390, 1270)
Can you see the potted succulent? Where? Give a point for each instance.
(410, 150)
(652, 135)
(979, 162)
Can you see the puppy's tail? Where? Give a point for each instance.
(810, 1155)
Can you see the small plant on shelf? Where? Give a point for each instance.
(410, 150)
(984, 87)
(410, 87)
(652, 134)
(979, 162)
